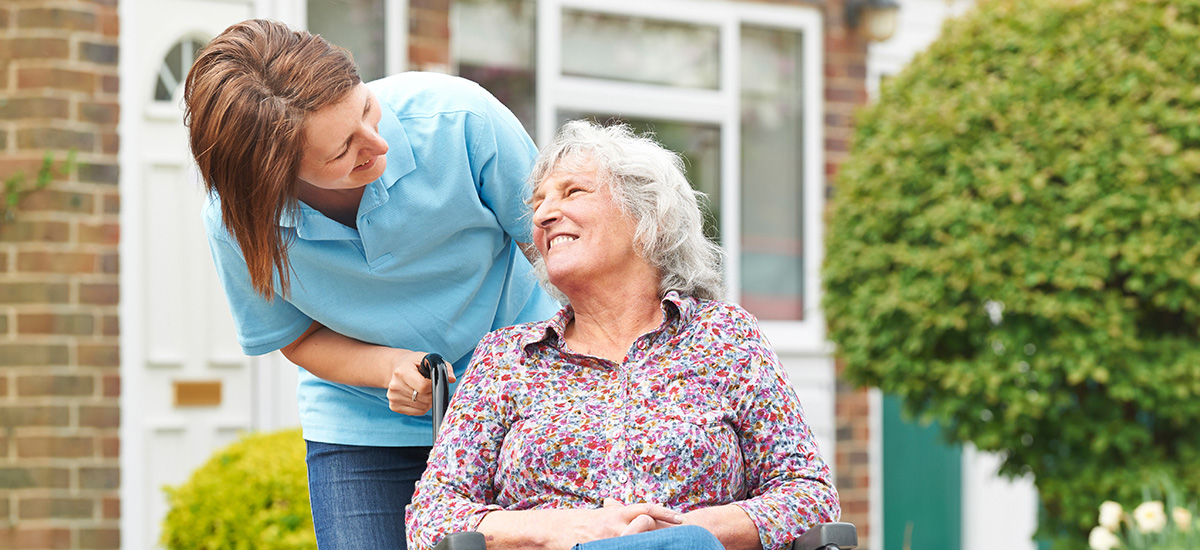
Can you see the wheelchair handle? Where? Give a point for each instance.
(435, 368)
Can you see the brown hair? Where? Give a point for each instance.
(247, 98)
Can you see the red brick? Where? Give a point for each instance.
(103, 233)
(109, 22)
(99, 294)
(55, 18)
(110, 143)
(99, 478)
(29, 478)
(100, 538)
(19, 416)
(40, 385)
(110, 447)
(58, 201)
(57, 262)
(41, 231)
(56, 508)
(74, 324)
(110, 325)
(112, 204)
(101, 54)
(26, 108)
(3, 391)
(99, 173)
(110, 263)
(99, 355)
(36, 48)
(35, 538)
(12, 355)
(111, 386)
(36, 78)
(34, 293)
(99, 112)
(55, 138)
(110, 508)
(55, 447)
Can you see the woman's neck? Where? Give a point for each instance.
(607, 324)
(340, 205)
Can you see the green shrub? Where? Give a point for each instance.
(251, 495)
(1014, 245)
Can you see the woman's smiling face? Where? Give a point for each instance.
(343, 148)
(579, 229)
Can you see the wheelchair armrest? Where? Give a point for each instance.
(467, 540)
(840, 536)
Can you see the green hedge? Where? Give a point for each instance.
(251, 495)
(1014, 245)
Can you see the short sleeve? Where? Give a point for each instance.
(502, 156)
(262, 325)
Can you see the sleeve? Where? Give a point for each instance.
(788, 485)
(458, 489)
(262, 325)
(502, 155)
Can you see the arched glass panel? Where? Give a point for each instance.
(174, 67)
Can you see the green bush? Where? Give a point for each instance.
(1014, 245)
(251, 495)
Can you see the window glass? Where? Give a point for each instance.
(772, 252)
(698, 144)
(174, 66)
(495, 46)
(635, 49)
(358, 26)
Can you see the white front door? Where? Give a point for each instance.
(187, 389)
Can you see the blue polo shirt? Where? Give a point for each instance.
(433, 265)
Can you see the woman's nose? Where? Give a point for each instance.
(546, 213)
(377, 144)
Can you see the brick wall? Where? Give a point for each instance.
(59, 373)
(429, 35)
(845, 92)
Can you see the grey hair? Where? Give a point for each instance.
(647, 180)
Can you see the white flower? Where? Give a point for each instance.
(1182, 517)
(1102, 539)
(1110, 515)
(1151, 517)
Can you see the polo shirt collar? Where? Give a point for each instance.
(676, 308)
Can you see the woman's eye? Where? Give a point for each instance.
(339, 157)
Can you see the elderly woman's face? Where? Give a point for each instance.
(579, 229)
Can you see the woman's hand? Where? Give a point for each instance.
(645, 517)
(409, 392)
(558, 529)
(337, 358)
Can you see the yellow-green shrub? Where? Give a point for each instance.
(251, 495)
(1041, 162)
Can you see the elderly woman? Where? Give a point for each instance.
(643, 405)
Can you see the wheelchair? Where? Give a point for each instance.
(823, 536)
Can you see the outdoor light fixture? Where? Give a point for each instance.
(878, 17)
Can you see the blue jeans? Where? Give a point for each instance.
(684, 537)
(358, 494)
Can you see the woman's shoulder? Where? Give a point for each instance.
(421, 93)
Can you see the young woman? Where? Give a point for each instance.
(356, 227)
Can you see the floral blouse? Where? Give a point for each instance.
(699, 414)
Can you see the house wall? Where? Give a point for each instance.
(59, 382)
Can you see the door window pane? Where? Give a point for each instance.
(635, 49)
(356, 25)
(700, 146)
(772, 252)
(494, 41)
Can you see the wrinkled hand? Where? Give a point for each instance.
(640, 518)
(406, 380)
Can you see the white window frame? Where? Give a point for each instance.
(395, 27)
(720, 107)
